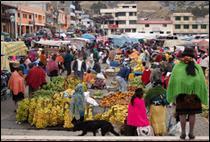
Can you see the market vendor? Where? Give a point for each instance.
(89, 78)
(77, 105)
(122, 77)
(36, 78)
(16, 85)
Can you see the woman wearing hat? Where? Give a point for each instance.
(188, 89)
(16, 84)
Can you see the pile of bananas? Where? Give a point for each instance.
(135, 83)
(139, 67)
(116, 115)
(45, 111)
(71, 82)
(55, 85)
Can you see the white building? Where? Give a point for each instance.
(83, 19)
(186, 23)
(155, 26)
(124, 19)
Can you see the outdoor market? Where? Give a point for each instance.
(104, 73)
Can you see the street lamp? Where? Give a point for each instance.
(12, 19)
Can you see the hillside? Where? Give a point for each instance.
(149, 9)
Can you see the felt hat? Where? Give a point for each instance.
(188, 52)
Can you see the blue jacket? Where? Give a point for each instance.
(124, 72)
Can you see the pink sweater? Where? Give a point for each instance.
(137, 114)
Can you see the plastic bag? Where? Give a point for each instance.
(90, 100)
(145, 131)
(175, 130)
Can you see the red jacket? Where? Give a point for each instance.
(36, 77)
(146, 76)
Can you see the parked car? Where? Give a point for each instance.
(44, 32)
(61, 34)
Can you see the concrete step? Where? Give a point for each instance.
(97, 138)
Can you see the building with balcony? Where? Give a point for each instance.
(30, 19)
(8, 22)
(155, 26)
(124, 19)
(187, 23)
(68, 8)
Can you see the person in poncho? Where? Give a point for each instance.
(77, 105)
(156, 102)
(188, 89)
(16, 85)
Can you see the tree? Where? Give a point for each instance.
(97, 6)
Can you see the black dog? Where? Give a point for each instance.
(93, 126)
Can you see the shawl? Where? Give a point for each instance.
(43, 59)
(36, 77)
(77, 106)
(88, 77)
(51, 66)
(180, 83)
(155, 91)
(59, 59)
(16, 83)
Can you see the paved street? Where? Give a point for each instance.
(9, 126)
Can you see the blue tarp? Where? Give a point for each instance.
(89, 36)
(120, 41)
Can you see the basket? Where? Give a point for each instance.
(110, 74)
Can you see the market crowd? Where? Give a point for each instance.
(172, 78)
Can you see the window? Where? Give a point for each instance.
(178, 18)
(18, 14)
(132, 13)
(36, 15)
(151, 32)
(133, 30)
(127, 30)
(125, 6)
(161, 32)
(194, 26)
(122, 22)
(29, 16)
(203, 26)
(111, 22)
(164, 25)
(177, 26)
(132, 22)
(168, 32)
(120, 14)
(24, 16)
(186, 18)
(186, 26)
(133, 6)
(147, 25)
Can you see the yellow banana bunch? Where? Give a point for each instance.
(67, 119)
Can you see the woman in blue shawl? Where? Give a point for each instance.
(77, 106)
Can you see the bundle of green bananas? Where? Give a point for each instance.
(22, 111)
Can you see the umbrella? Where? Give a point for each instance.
(89, 36)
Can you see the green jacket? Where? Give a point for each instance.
(181, 83)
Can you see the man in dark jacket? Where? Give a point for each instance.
(68, 58)
(79, 67)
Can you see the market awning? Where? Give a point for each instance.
(89, 36)
(172, 43)
(52, 42)
(11, 49)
